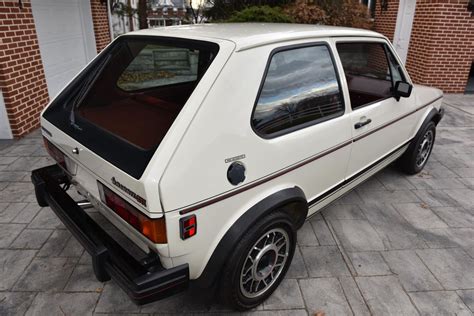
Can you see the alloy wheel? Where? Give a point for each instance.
(264, 262)
(424, 149)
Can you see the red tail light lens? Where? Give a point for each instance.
(153, 229)
(55, 152)
(188, 226)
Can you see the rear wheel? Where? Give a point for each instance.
(417, 154)
(259, 262)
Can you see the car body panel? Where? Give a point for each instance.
(187, 174)
(252, 35)
(147, 185)
(235, 139)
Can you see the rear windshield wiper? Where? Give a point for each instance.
(88, 82)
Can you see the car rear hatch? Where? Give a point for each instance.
(113, 121)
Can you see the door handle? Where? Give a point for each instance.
(363, 123)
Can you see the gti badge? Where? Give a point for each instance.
(137, 197)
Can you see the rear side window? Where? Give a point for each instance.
(370, 77)
(300, 88)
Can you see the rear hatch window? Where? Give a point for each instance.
(123, 104)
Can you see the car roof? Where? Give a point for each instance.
(249, 35)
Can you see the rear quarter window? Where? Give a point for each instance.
(300, 88)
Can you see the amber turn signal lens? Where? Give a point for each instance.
(155, 230)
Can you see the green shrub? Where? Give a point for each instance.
(224, 9)
(306, 13)
(261, 14)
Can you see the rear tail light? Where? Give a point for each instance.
(153, 229)
(188, 226)
(55, 153)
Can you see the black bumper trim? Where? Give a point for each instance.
(144, 284)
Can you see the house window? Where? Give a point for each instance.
(300, 88)
(370, 5)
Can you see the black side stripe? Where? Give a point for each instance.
(264, 180)
(355, 177)
(394, 120)
(297, 165)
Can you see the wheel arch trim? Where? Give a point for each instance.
(291, 200)
(432, 115)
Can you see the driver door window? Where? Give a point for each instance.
(371, 72)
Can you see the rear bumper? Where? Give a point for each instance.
(143, 281)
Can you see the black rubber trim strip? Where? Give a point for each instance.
(356, 176)
(234, 234)
(258, 182)
(264, 180)
(143, 283)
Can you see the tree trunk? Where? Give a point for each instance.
(142, 14)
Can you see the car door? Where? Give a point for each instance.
(379, 121)
(301, 115)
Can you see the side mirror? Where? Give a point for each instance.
(402, 90)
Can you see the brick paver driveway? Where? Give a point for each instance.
(396, 245)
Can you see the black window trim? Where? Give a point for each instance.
(387, 49)
(307, 124)
(402, 74)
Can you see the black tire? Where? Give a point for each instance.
(231, 292)
(40, 198)
(419, 151)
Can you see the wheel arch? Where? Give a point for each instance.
(433, 116)
(430, 115)
(436, 117)
(290, 200)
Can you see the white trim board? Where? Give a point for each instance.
(401, 38)
(5, 130)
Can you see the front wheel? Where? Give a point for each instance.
(417, 154)
(259, 262)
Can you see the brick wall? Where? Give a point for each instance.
(441, 47)
(442, 44)
(385, 21)
(22, 79)
(100, 19)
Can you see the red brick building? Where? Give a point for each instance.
(434, 37)
(43, 44)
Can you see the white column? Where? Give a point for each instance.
(401, 38)
(5, 130)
